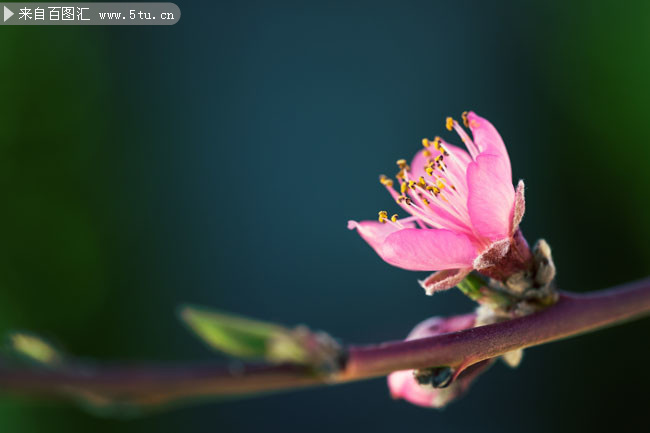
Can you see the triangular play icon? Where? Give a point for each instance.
(8, 13)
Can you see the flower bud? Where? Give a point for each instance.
(436, 386)
(246, 338)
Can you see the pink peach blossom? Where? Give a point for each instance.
(463, 207)
(403, 384)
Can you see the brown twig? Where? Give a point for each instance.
(150, 385)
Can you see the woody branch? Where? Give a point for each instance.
(150, 385)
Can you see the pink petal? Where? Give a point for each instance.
(418, 164)
(443, 280)
(428, 249)
(487, 139)
(375, 232)
(520, 207)
(491, 196)
(402, 384)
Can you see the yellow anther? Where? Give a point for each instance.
(425, 201)
(394, 218)
(403, 187)
(439, 162)
(383, 215)
(401, 163)
(441, 184)
(465, 121)
(403, 198)
(422, 182)
(434, 189)
(385, 181)
(429, 171)
(426, 142)
(426, 153)
(400, 174)
(412, 184)
(449, 123)
(436, 143)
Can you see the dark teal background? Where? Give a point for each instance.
(217, 162)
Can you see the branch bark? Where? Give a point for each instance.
(151, 385)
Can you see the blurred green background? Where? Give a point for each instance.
(217, 162)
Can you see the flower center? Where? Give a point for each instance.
(435, 191)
